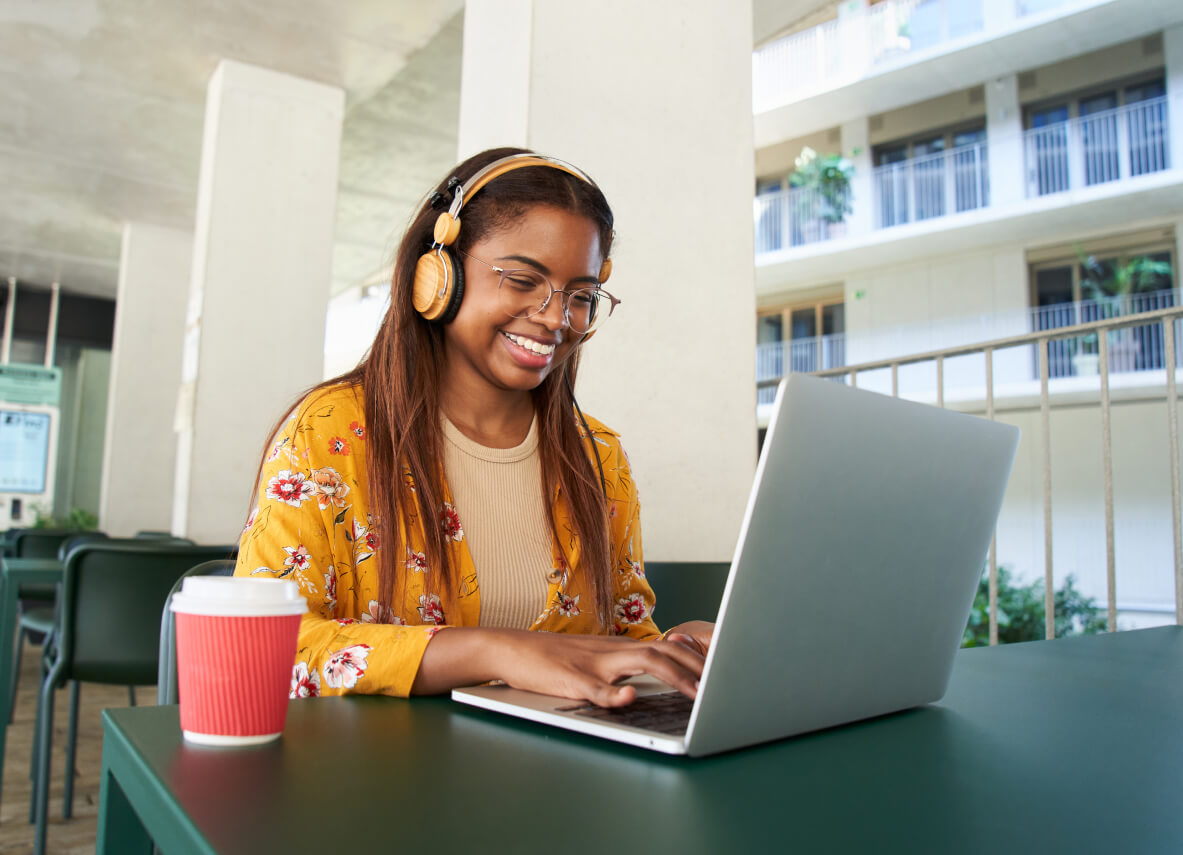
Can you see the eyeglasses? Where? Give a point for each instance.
(524, 293)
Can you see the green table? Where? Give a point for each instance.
(17, 574)
(1073, 745)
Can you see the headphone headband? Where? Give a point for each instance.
(508, 164)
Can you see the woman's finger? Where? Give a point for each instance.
(654, 661)
(608, 695)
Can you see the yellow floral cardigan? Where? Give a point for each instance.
(312, 524)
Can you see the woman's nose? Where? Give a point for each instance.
(554, 316)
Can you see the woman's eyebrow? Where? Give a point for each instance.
(542, 268)
(525, 259)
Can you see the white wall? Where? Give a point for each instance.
(939, 302)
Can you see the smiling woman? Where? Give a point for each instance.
(446, 509)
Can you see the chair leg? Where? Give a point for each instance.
(40, 800)
(71, 751)
(131, 696)
(16, 672)
(45, 668)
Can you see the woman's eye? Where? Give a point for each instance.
(522, 283)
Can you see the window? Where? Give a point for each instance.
(799, 338)
(931, 176)
(1116, 132)
(1100, 282)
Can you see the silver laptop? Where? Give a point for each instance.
(860, 551)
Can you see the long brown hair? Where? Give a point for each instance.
(401, 377)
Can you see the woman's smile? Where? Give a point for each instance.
(531, 352)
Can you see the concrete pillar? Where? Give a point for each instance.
(154, 268)
(1004, 140)
(262, 261)
(1172, 44)
(856, 144)
(670, 142)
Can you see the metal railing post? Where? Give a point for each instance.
(993, 583)
(1045, 428)
(1173, 425)
(940, 381)
(1107, 461)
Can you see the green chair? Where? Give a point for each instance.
(150, 534)
(686, 590)
(36, 621)
(107, 632)
(35, 610)
(44, 542)
(8, 541)
(166, 676)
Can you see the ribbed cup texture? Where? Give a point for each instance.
(234, 673)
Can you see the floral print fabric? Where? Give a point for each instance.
(313, 525)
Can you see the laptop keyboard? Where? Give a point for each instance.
(668, 713)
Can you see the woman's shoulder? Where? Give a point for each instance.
(329, 407)
(597, 427)
(329, 420)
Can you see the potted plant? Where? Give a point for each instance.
(1086, 361)
(827, 178)
(1108, 288)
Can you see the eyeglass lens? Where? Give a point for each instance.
(524, 293)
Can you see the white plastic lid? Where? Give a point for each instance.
(231, 596)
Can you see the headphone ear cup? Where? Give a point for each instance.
(439, 286)
(455, 291)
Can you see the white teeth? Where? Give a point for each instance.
(530, 344)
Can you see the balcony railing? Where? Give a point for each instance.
(1132, 349)
(1170, 329)
(934, 185)
(849, 47)
(800, 356)
(1106, 146)
(794, 217)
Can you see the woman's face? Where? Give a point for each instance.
(489, 346)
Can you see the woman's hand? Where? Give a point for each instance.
(695, 634)
(581, 667)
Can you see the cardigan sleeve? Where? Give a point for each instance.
(311, 525)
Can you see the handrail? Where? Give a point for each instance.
(1108, 324)
(1041, 338)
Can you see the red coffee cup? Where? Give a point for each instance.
(236, 643)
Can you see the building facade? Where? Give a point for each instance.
(937, 172)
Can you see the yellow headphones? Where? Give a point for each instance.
(439, 278)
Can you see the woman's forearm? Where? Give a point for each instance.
(571, 666)
(460, 656)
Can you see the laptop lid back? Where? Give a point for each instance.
(861, 548)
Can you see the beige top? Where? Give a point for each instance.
(497, 492)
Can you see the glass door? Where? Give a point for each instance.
(1098, 138)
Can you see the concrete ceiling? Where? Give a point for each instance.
(102, 104)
